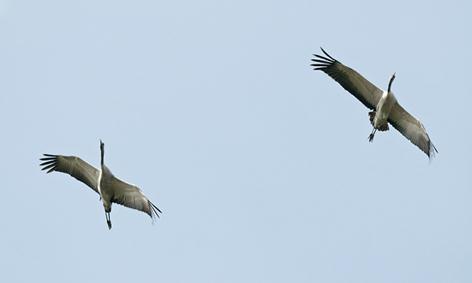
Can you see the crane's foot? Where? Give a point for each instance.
(107, 215)
(371, 136)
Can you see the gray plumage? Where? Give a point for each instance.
(385, 108)
(110, 188)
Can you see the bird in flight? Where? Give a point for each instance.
(110, 188)
(385, 107)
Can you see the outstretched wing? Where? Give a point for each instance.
(73, 166)
(412, 129)
(349, 79)
(132, 197)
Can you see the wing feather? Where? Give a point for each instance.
(73, 166)
(132, 197)
(412, 129)
(349, 79)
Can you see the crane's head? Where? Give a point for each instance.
(391, 81)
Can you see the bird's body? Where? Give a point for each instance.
(106, 190)
(385, 107)
(105, 187)
(110, 188)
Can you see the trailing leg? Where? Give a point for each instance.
(371, 136)
(107, 215)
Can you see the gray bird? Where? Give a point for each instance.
(385, 107)
(110, 188)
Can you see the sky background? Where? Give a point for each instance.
(260, 165)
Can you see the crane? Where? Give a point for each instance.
(110, 188)
(385, 107)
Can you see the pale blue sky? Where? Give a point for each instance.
(261, 165)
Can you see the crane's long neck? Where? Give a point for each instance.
(102, 153)
(390, 82)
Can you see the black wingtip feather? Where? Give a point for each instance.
(46, 163)
(47, 158)
(49, 155)
(48, 166)
(154, 210)
(50, 162)
(432, 150)
(322, 62)
(319, 65)
(325, 59)
(326, 53)
(157, 208)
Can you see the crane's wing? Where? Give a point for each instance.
(412, 129)
(73, 166)
(349, 79)
(132, 197)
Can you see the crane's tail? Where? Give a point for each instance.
(383, 127)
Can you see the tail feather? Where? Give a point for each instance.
(383, 127)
